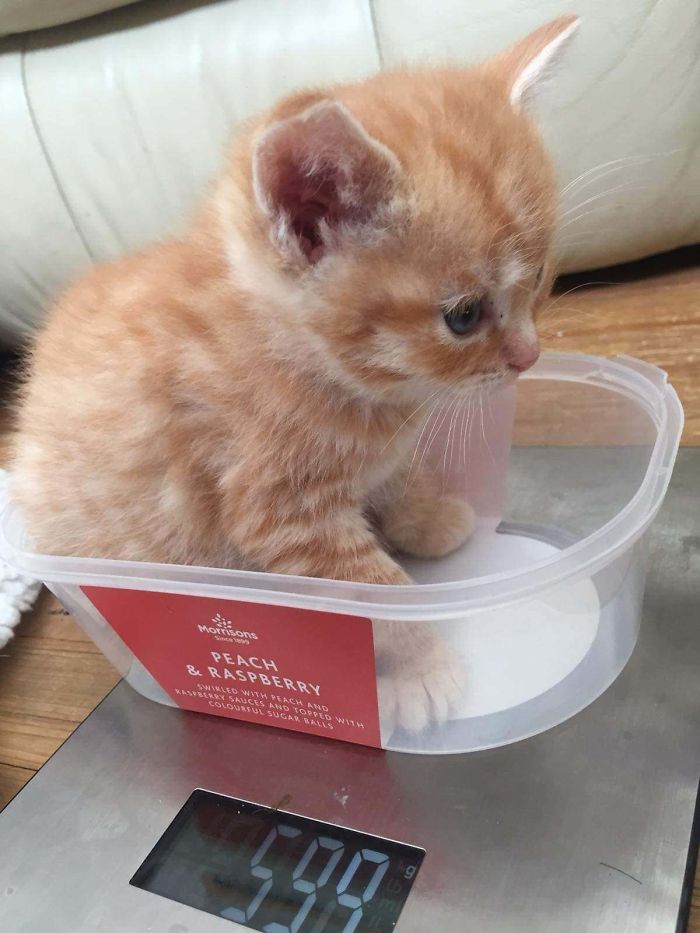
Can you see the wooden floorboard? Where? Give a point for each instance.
(694, 921)
(12, 780)
(52, 676)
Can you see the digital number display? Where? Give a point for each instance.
(278, 872)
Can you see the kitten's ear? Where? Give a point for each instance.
(528, 64)
(319, 175)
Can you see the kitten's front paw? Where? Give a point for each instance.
(417, 692)
(426, 526)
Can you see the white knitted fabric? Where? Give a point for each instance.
(17, 592)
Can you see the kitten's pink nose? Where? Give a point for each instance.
(521, 353)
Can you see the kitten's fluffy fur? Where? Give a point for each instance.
(245, 394)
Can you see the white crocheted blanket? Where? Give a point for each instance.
(17, 592)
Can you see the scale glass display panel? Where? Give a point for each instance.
(278, 872)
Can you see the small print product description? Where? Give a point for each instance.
(291, 668)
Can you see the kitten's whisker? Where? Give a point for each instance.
(418, 441)
(567, 325)
(577, 309)
(406, 420)
(437, 427)
(596, 210)
(470, 423)
(453, 409)
(462, 439)
(611, 169)
(450, 439)
(483, 429)
(593, 198)
(552, 304)
(491, 417)
(623, 162)
(614, 165)
(590, 182)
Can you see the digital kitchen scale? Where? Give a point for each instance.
(153, 819)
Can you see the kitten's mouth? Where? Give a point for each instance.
(494, 378)
(482, 383)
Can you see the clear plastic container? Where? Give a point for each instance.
(566, 471)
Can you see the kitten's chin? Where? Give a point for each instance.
(475, 386)
(508, 377)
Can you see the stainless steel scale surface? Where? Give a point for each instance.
(584, 829)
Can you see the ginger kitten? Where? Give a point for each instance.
(251, 393)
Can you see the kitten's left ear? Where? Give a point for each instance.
(527, 65)
(318, 177)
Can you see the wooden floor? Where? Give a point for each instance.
(650, 310)
(51, 677)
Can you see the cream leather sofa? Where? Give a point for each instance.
(112, 124)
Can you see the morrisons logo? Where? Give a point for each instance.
(223, 628)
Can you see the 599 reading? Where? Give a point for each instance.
(279, 872)
(315, 884)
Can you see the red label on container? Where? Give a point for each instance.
(291, 668)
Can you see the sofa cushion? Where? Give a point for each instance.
(25, 15)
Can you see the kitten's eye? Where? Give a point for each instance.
(463, 318)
